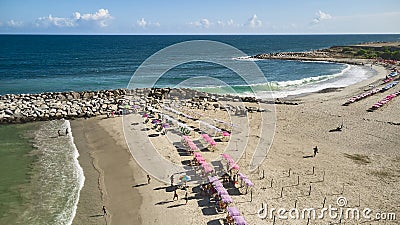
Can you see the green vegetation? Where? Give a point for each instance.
(372, 53)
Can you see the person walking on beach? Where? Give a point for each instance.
(148, 179)
(172, 180)
(175, 196)
(315, 150)
(104, 211)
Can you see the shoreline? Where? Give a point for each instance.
(156, 204)
(96, 145)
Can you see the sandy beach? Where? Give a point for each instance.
(360, 163)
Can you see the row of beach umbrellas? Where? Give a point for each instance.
(189, 143)
(237, 217)
(209, 140)
(390, 77)
(362, 96)
(204, 165)
(231, 163)
(385, 100)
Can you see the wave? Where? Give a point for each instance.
(79, 169)
(246, 58)
(310, 80)
(349, 75)
(58, 177)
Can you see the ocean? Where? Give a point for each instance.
(50, 63)
(41, 179)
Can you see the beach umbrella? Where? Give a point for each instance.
(226, 198)
(226, 156)
(221, 191)
(212, 179)
(218, 184)
(197, 154)
(235, 166)
(248, 183)
(207, 168)
(242, 176)
(233, 211)
(185, 178)
(226, 134)
(239, 220)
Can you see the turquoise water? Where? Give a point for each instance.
(15, 169)
(50, 191)
(40, 175)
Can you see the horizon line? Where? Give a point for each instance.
(199, 34)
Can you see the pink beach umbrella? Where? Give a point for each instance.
(226, 134)
(218, 184)
(248, 182)
(207, 168)
(233, 211)
(226, 156)
(226, 198)
(221, 191)
(235, 166)
(239, 220)
(212, 179)
(196, 154)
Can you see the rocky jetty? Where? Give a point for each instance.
(24, 108)
(55, 105)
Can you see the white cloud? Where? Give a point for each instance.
(254, 22)
(55, 21)
(13, 23)
(203, 23)
(229, 23)
(101, 18)
(320, 16)
(144, 24)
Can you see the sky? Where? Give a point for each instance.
(199, 17)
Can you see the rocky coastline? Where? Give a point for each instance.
(351, 54)
(22, 108)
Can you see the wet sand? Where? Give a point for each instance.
(360, 163)
(109, 171)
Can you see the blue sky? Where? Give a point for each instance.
(199, 17)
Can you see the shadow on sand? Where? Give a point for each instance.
(139, 185)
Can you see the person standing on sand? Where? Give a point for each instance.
(315, 150)
(148, 179)
(104, 211)
(186, 197)
(175, 196)
(66, 131)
